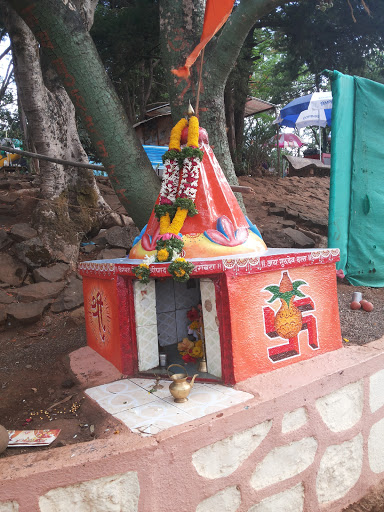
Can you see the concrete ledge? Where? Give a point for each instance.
(309, 437)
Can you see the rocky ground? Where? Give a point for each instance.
(41, 306)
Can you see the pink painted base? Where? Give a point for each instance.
(168, 457)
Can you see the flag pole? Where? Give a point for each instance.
(199, 83)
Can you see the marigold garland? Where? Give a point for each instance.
(193, 132)
(162, 255)
(178, 221)
(172, 210)
(174, 140)
(180, 269)
(142, 273)
(165, 221)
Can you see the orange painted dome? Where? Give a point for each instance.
(220, 227)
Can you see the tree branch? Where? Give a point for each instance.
(223, 55)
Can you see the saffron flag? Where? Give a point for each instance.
(216, 14)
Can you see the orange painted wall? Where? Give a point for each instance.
(247, 298)
(101, 319)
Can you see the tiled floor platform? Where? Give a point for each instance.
(147, 407)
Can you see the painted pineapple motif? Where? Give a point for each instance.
(288, 320)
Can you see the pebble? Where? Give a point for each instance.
(67, 383)
(367, 306)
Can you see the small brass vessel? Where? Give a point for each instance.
(180, 387)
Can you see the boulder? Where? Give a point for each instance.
(111, 220)
(111, 254)
(34, 253)
(291, 214)
(100, 240)
(320, 241)
(5, 240)
(314, 221)
(12, 271)
(21, 232)
(299, 239)
(77, 316)
(87, 249)
(27, 313)
(40, 291)
(3, 314)
(288, 223)
(277, 210)
(276, 239)
(121, 236)
(71, 298)
(5, 298)
(51, 274)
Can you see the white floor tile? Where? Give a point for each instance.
(147, 407)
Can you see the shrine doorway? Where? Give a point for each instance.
(161, 308)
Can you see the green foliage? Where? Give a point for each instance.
(171, 154)
(162, 209)
(271, 79)
(184, 203)
(126, 34)
(173, 246)
(258, 149)
(180, 270)
(315, 40)
(189, 152)
(142, 272)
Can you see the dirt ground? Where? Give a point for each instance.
(37, 388)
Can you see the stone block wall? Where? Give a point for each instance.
(311, 440)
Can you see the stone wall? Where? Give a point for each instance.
(310, 440)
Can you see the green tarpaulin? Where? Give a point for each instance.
(356, 204)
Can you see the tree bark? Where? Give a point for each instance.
(65, 40)
(70, 203)
(58, 27)
(180, 29)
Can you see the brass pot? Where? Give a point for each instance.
(180, 387)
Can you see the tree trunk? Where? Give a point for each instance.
(180, 29)
(70, 204)
(64, 37)
(58, 27)
(230, 119)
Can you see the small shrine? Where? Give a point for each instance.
(199, 287)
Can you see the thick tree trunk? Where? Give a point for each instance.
(180, 29)
(230, 119)
(70, 204)
(64, 37)
(58, 27)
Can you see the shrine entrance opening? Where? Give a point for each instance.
(163, 320)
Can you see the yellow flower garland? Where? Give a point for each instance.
(178, 221)
(174, 140)
(165, 222)
(180, 273)
(193, 132)
(162, 255)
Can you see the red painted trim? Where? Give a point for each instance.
(127, 323)
(231, 265)
(225, 331)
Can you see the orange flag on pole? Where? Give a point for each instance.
(216, 14)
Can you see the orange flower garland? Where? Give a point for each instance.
(174, 140)
(193, 133)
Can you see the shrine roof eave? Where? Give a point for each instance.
(243, 264)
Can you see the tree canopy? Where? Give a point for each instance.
(140, 32)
